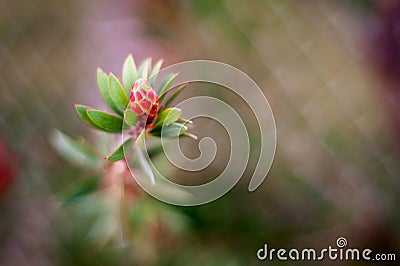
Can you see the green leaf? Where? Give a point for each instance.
(176, 221)
(184, 121)
(171, 131)
(168, 116)
(166, 84)
(129, 73)
(106, 122)
(80, 189)
(130, 117)
(139, 215)
(173, 96)
(78, 152)
(117, 92)
(118, 154)
(155, 150)
(141, 138)
(82, 112)
(102, 81)
(144, 69)
(144, 164)
(154, 72)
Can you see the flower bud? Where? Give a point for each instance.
(144, 100)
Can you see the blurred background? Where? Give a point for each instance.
(330, 70)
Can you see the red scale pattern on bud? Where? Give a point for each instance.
(144, 100)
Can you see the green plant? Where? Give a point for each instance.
(146, 111)
(114, 214)
(139, 112)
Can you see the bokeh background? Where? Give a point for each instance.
(330, 70)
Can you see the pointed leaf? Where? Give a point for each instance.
(140, 214)
(184, 121)
(173, 96)
(141, 138)
(168, 116)
(117, 92)
(155, 71)
(166, 84)
(78, 152)
(106, 122)
(82, 112)
(155, 150)
(130, 117)
(80, 189)
(129, 73)
(170, 131)
(118, 154)
(144, 69)
(144, 164)
(102, 81)
(173, 130)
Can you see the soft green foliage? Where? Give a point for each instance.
(80, 188)
(78, 152)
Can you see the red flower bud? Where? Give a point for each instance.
(144, 100)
